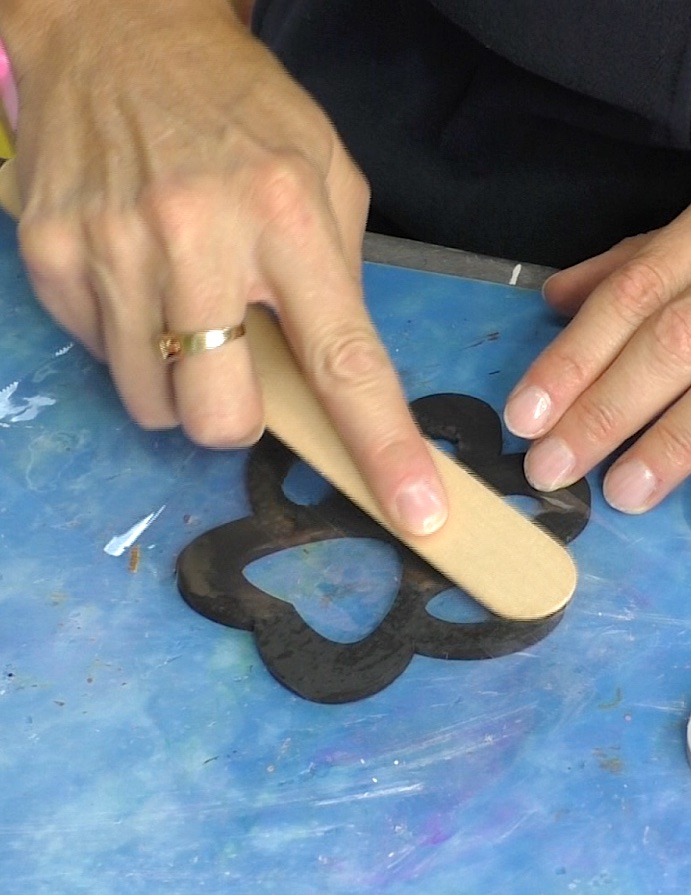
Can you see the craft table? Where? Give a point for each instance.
(146, 749)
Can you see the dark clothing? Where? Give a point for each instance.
(539, 130)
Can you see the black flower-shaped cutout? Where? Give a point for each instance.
(211, 575)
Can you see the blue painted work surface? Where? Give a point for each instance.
(144, 749)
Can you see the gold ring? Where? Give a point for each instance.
(174, 346)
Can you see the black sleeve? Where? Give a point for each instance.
(634, 55)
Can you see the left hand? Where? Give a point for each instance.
(621, 369)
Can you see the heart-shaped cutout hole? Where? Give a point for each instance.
(457, 607)
(342, 589)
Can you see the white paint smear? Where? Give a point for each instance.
(515, 274)
(21, 410)
(116, 546)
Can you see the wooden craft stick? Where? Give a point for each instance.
(486, 547)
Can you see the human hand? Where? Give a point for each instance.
(620, 369)
(191, 178)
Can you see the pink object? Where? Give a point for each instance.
(8, 90)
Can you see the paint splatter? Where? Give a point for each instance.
(117, 545)
(515, 274)
(22, 410)
(609, 760)
(135, 556)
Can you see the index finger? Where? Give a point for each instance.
(323, 315)
(601, 329)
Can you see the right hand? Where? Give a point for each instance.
(172, 173)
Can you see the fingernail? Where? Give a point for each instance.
(629, 486)
(527, 411)
(421, 508)
(549, 464)
(547, 283)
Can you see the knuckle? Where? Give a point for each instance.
(636, 242)
(671, 332)
(155, 420)
(111, 237)
(210, 429)
(571, 370)
(283, 183)
(599, 422)
(51, 249)
(176, 208)
(639, 287)
(149, 411)
(628, 242)
(359, 196)
(362, 191)
(352, 357)
(358, 185)
(675, 444)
